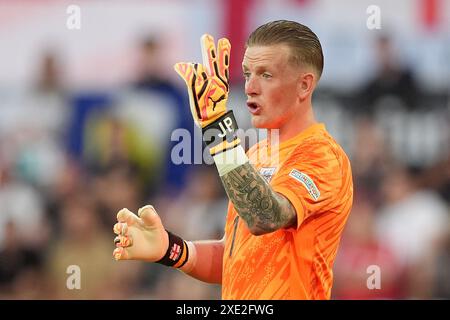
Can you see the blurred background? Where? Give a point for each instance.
(87, 113)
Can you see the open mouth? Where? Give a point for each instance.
(254, 108)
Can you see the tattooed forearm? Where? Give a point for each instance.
(262, 209)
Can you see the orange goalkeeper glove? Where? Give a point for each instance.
(208, 89)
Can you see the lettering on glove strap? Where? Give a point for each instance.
(228, 123)
(220, 130)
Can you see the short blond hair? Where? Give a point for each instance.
(304, 44)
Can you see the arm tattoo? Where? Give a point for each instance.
(262, 209)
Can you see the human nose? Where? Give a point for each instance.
(251, 86)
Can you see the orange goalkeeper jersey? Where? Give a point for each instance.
(313, 172)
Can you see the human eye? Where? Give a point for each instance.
(266, 75)
(246, 75)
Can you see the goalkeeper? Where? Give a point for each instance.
(286, 212)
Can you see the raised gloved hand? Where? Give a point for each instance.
(207, 83)
(208, 88)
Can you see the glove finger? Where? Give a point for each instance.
(120, 253)
(185, 71)
(120, 229)
(149, 216)
(209, 54)
(126, 216)
(201, 81)
(203, 92)
(201, 78)
(224, 50)
(189, 72)
(123, 241)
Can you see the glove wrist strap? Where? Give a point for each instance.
(220, 135)
(177, 253)
(223, 143)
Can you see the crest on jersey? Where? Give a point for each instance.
(267, 172)
(309, 184)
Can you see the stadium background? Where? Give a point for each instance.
(86, 118)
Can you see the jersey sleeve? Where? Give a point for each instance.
(311, 179)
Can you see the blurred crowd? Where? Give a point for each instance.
(70, 160)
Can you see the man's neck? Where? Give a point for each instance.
(293, 127)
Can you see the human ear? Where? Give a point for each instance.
(306, 84)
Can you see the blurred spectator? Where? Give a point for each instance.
(34, 128)
(370, 158)
(22, 206)
(410, 223)
(82, 243)
(17, 261)
(359, 250)
(149, 72)
(68, 183)
(47, 102)
(393, 80)
(151, 78)
(110, 141)
(50, 75)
